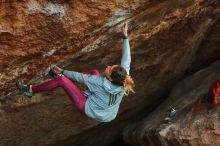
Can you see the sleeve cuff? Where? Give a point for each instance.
(62, 72)
(125, 37)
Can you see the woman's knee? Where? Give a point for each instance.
(62, 79)
(95, 72)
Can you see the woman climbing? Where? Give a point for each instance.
(104, 93)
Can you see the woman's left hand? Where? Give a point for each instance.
(125, 29)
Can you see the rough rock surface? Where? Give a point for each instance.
(186, 128)
(36, 33)
(169, 40)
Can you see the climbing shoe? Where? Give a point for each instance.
(28, 94)
(24, 88)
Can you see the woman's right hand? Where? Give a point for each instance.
(57, 70)
(125, 29)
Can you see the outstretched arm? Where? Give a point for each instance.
(126, 55)
(76, 76)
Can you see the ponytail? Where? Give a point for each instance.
(128, 85)
(119, 77)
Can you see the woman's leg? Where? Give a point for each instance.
(75, 95)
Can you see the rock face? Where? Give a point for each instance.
(35, 33)
(186, 128)
(169, 40)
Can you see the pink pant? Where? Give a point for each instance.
(75, 95)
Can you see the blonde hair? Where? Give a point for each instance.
(120, 78)
(128, 85)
